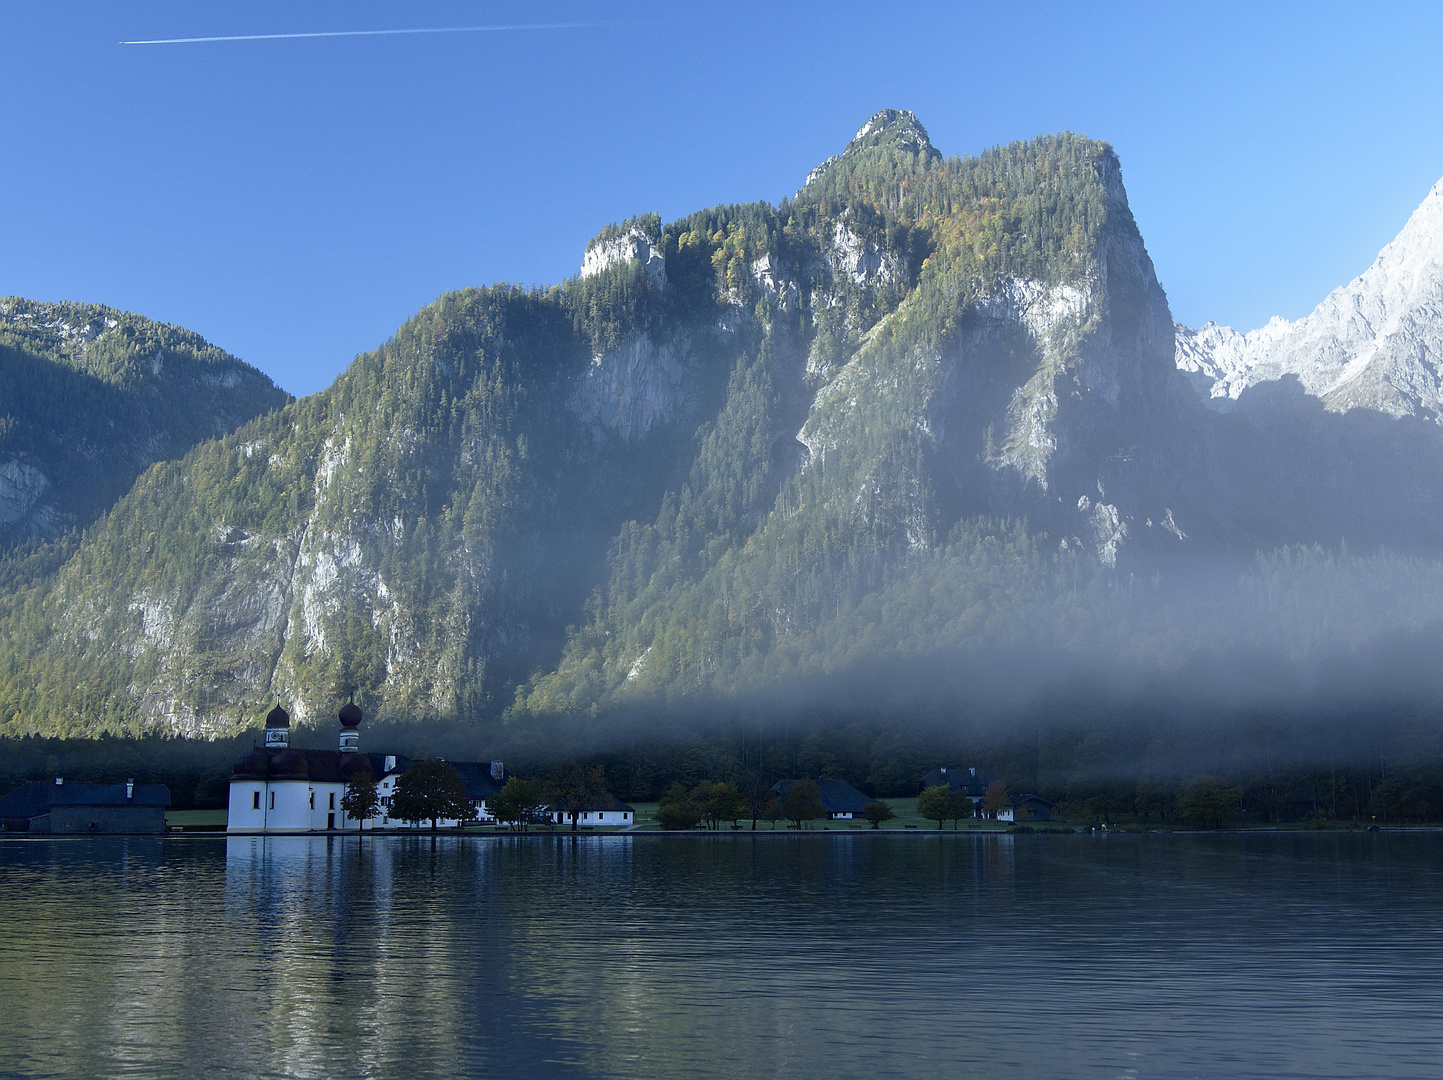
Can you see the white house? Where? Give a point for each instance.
(612, 813)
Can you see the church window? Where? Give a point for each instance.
(255, 800)
(273, 800)
(333, 801)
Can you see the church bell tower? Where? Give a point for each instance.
(278, 728)
(350, 720)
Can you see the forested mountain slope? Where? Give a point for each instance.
(928, 404)
(90, 397)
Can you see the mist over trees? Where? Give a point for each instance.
(882, 477)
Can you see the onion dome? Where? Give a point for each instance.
(289, 765)
(251, 765)
(278, 717)
(355, 768)
(350, 715)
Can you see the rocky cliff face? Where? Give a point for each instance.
(1374, 343)
(631, 244)
(914, 408)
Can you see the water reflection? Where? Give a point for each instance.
(723, 956)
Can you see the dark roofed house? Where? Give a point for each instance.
(840, 800)
(104, 808)
(23, 805)
(1026, 808)
(484, 781)
(972, 782)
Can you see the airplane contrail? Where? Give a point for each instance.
(366, 33)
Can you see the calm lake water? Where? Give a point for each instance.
(1292, 955)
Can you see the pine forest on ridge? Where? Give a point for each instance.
(930, 408)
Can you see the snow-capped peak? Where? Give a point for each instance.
(1375, 343)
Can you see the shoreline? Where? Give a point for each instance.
(389, 834)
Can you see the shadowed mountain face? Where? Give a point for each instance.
(90, 397)
(929, 404)
(1329, 427)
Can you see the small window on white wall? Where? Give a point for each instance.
(256, 799)
(273, 800)
(333, 801)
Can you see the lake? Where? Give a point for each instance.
(812, 955)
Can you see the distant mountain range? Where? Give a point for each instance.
(928, 405)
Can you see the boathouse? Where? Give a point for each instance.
(85, 808)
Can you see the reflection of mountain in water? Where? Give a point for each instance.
(801, 955)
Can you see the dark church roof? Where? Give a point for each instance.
(350, 715)
(334, 767)
(321, 766)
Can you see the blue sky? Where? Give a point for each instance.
(295, 200)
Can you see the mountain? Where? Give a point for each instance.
(90, 397)
(1375, 343)
(929, 404)
(1342, 405)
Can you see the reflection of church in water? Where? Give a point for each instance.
(276, 788)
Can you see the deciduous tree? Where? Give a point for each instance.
(516, 801)
(431, 789)
(802, 801)
(676, 810)
(936, 804)
(877, 812)
(575, 789)
(717, 802)
(1209, 799)
(994, 799)
(771, 811)
(360, 803)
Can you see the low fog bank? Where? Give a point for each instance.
(1102, 736)
(1309, 672)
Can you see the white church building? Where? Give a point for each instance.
(277, 789)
